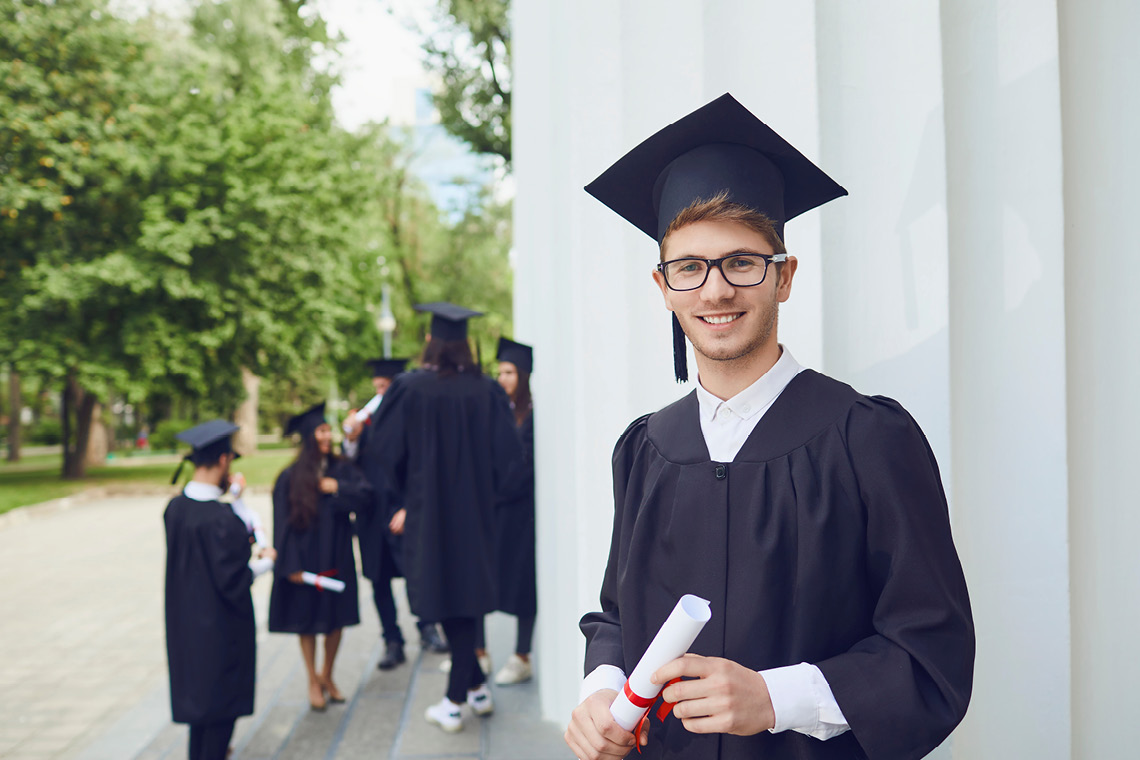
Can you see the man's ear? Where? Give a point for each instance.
(786, 273)
(660, 280)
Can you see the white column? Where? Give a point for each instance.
(1007, 350)
(1100, 98)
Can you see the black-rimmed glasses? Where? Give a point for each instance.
(742, 270)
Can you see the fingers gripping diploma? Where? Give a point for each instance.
(593, 734)
(724, 697)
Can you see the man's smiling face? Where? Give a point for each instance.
(723, 321)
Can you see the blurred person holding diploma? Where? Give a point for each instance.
(313, 499)
(210, 632)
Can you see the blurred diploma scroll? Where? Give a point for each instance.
(673, 640)
(323, 583)
(364, 412)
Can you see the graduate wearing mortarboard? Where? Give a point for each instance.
(514, 514)
(811, 516)
(380, 548)
(210, 637)
(446, 439)
(313, 499)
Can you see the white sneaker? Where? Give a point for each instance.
(446, 715)
(480, 700)
(484, 663)
(517, 670)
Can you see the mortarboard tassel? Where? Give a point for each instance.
(680, 365)
(178, 471)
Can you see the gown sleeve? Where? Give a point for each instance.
(227, 559)
(519, 486)
(603, 629)
(354, 493)
(284, 541)
(387, 444)
(916, 669)
(508, 452)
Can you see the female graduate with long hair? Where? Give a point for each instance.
(514, 514)
(312, 501)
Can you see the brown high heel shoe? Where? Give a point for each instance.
(329, 688)
(319, 704)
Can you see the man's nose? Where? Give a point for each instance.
(716, 287)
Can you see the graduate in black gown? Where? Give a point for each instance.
(514, 515)
(210, 640)
(812, 517)
(380, 548)
(313, 500)
(446, 438)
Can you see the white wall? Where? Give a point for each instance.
(980, 272)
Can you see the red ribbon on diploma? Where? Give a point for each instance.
(323, 574)
(640, 701)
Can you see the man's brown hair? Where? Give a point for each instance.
(720, 209)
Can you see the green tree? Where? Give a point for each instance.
(75, 125)
(470, 53)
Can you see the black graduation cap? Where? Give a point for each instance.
(720, 147)
(387, 367)
(448, 321)
(518, 354)
(307, 421)
(208, 442)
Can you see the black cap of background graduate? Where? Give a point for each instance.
(208, 442)
(307, 421)
(387, 367)
(448, 321)
(720, 147)
(518, 354)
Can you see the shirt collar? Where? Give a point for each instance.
(756, 397)
(199, 491)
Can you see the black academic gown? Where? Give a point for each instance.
(380, 550)
(446, 444)
(826, 540)
(325, 545)
(210, 644)
(514, 532)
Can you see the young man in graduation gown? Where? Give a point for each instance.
(446, 438)
(210, 640)
(380, 548)
(811, 516)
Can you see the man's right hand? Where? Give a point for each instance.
(593, 733)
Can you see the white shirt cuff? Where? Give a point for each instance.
(603, 677)
(260, 566)
(802, 701)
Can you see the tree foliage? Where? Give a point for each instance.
(470, 53)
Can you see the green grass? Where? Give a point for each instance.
(35, 481)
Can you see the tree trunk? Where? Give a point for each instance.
(98, 441)
(15, 410)
(245, 439)
(74, 452)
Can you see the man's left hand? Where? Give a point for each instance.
(726, 698)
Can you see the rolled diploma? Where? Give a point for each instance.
(369, 408)
(323, 582)
(673, 640)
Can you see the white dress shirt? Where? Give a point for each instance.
(801, 697)
(199, 491)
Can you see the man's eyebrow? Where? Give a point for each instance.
(723, 255)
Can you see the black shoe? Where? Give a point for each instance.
(393, 656)
(431, 641)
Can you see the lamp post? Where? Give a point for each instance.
(386, 322)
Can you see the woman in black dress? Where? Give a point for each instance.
(514, 514)
(312, 501)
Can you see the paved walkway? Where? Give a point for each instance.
(83, 660)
